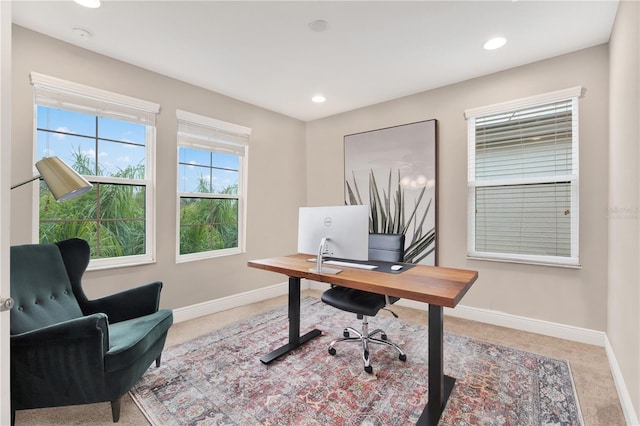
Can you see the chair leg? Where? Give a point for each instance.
(347, 337)
(383, 335)
(403, 355)
(365, 356)
(365, 345)
(365, 338)
(158, 360)
(115, 410)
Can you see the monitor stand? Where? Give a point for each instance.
(319, 269)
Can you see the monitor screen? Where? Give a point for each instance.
(346, 229)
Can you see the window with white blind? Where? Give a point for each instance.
(108, 138)
(523, 180)
(212, 178)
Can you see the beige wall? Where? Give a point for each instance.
(623, 319)
(569, 296)
(276, 170)
(277, 174)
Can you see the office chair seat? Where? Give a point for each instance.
(385, 247)
(356, 301)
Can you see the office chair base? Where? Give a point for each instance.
(365, 338)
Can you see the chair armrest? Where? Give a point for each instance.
(63, 347)
(128, 304)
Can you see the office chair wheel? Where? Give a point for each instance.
(383, 336)
(368, 369)
(403, 357)
(332, 351)
(345, 333)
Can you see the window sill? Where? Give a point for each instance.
(104, 264)
(568, 263)
(192, 257)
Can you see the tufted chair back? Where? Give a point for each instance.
(43, 295)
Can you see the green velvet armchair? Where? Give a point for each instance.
(67, 349)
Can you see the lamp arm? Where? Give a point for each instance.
(26, 181)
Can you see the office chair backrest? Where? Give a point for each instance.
(386, 247)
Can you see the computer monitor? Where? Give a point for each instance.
(335, 231)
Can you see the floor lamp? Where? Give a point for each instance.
(63, 182)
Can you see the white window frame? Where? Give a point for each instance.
(209, 134)
(511, 106)
(77, 97)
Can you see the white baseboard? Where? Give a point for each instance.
(501, 319)
(531, 325)
(229, 302)
(623, 393)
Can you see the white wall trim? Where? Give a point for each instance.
(531, 325)
(623, 393)
(218, 305)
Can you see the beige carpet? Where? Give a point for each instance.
(596, 391)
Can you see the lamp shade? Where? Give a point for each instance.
(63, 182)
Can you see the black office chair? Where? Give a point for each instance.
(385, 247)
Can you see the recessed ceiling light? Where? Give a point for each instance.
(93, 4)
(319, 25)
(318, 99)
(495, 43)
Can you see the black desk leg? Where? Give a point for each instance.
(440, 386)
(295, 340)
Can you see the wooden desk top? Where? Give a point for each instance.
(430, 284)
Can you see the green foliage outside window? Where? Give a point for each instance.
(208, 224)
(111, 217)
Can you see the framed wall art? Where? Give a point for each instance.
(393, 170)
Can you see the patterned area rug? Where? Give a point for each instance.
(218, 379)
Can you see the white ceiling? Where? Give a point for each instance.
(265, 53)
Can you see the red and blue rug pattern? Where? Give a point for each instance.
(218, 379)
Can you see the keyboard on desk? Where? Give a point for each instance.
(345, 264)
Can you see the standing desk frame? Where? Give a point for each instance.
(437, 286)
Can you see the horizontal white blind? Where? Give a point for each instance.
(527, 143)
(523, 183)
(199, 132)
(524, 219)
(61, 94)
